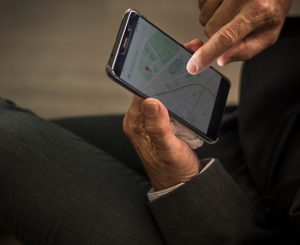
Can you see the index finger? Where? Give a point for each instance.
(224, 39)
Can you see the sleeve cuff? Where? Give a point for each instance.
(153, 195)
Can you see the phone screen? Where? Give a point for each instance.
(155, 65)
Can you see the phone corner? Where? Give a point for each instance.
(108, 70)
(129, 11)
(214, 141)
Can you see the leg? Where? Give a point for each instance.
(105, 132)
(112, 140)
(57, 189)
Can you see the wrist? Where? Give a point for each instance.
(168, 179)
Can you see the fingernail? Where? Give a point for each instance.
(192, 67)
(151, 109)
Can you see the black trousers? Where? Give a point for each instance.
(79, 181)
(59, 188)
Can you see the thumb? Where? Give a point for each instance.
(157, 123)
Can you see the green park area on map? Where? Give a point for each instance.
(164, 49)
(163, 46)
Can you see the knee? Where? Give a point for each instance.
(6, 104)
(16, 124)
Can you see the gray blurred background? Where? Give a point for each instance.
(53, 53)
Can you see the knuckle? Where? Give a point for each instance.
(263, 6)
(266, 12)
(228, 37)
(245, 22)
(236, 31)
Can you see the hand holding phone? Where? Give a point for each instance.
(148, 62)
(167, 159)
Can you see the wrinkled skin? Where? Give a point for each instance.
(237, 29)
(167, 160)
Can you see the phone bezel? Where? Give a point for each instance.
(114, 68)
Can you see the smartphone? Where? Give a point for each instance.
(149, 63)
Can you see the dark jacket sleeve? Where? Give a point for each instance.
(210, 209)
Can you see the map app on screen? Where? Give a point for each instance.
(156, 65)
